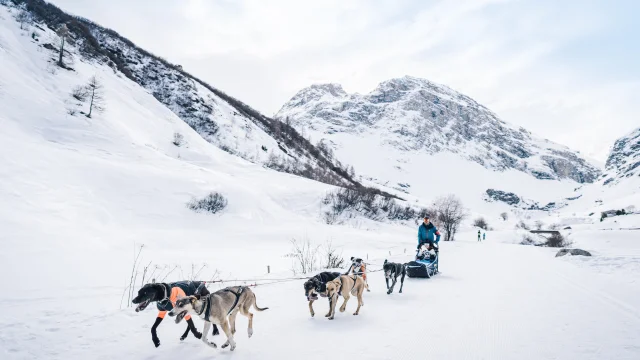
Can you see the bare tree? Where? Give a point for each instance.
(450, 214)
(62, 32)
(23, 17)
(538, 224)
(95, 90)
(504, 216)
(304, 256)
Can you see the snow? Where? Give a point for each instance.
(77, 196)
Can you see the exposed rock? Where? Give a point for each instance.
(624, 159)
(564, 252)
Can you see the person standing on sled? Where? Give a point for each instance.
(428, 234)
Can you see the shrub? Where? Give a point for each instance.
(333, 259)
(481, 223)
(178, 139)
(527, 240)
(556, 240)
(79, 93)
(368, 202)
(538, 224)
(554, 226)
(504, 216)
(523, 225)
(213, 203)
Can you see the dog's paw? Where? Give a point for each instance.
(342, 309)
(224, 346)
(198, 335)
(400, 291)
(232, 347)
(388, 292)
(330, 318)
(355, 313)
(184, 337)
(250, 332)
(212, 344)
(156, 342)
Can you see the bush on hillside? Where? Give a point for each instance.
(481, 223)
(213, 203)
(504, 216)
(178, 139)
(556, 240)
(368, 202)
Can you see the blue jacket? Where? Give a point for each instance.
(428, 233)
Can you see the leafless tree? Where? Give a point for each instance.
(62, 32)
(538, 224)
(95, 90)
(450, 214)
(333, 259)
(23, 17)
(304, 256)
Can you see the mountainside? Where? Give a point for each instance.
(624, 159)
(416, 115)
(219, 118)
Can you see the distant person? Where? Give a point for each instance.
(484, 236)
(479, 235)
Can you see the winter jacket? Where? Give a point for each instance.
(177, 290)
(428, 233)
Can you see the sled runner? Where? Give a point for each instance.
(425, 264)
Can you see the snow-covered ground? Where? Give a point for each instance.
(77, 195)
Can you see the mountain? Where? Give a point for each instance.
(624, 159)
(219, 118)
(414, 114)
(410, 132)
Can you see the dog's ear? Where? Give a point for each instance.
(385, 261)
(194, 298)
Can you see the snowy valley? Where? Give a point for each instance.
(81, 197)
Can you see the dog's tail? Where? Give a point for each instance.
(255, 304)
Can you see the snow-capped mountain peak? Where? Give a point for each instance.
(412, 114)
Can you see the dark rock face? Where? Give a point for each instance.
(503, 196)
(414, 114)
(581, 252)
(624, 159)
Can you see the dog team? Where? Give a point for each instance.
(181, 299)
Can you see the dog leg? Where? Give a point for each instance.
(232, 321)
(248, 314)
(386, 280)
(311, 308)
(359, 303)
(333, 301)
(346, 297)
(230, 342)
(393, 284)
(402, 279)
(205, 334)
(154, 335)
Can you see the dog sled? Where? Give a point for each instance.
(425, 265)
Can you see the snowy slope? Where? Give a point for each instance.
(219, 118)
(76, 194)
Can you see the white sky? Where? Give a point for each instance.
(566, 70)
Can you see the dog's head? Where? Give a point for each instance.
(311, 288)
(388, 267)
(182, 307)
(148, 294)
(333, 287)
(356, 263)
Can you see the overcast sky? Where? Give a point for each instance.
(567, 70)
